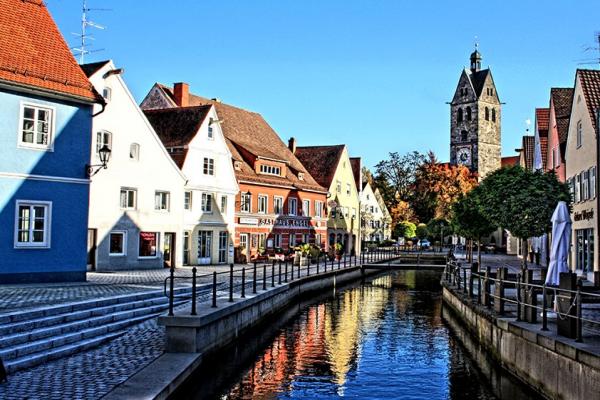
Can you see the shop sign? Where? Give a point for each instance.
(285, 222)
(249, 221)
(584, 215)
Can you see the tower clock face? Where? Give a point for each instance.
(463, 156)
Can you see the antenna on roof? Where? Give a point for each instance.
(84, 38)
(595, 60)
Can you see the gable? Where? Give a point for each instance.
(465, 92)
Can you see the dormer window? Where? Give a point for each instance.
(301, 176)
(270, 170)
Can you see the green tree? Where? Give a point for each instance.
(437, 227)
(422, 232)
(395, 177)
(405, 229)
(522, 201)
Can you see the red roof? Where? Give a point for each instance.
(321, 161)
(527, 152)
(590, 84)
(542, 119)
(33, 52)
(510, 161)
(561, 100)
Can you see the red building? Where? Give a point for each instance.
(558, 129)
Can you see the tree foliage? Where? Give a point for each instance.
(522, 201)
(438, 225)
(469, 219)
(405, 229)
(395, 177)
(422, 232)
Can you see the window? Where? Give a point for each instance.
(262, 204)
(210, 130)
(292, 241)
(585, 183)
(346, 212)
(318, 208)
(493, 115)
(117, 243)
(103, 138)
(464, 136)
(306, 208)
(128, 198)
(223, 204)
(338, 186)
(292, 206)
(107, 93)
(277, 240)
(592, 174)
(148, 244)
(278, 205)
(305, 238)
(245, 202)
(134, 151)
(348, 189)
(318, 239)
(571, 184)
(469, 117)
(161, 200)
(577, 188)
(187, 200)
(487, 114)
(353, 212)
(270, 170)
(206, 202)
(584, 249)
(209, 166)
(36, 126)
(579, 134)
(459, 115)
(32, 225)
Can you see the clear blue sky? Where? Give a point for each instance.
(375, 75)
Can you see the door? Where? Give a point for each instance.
(223, 241)
(186, 248)
(204, 247)
(91, 249)
(169, 250)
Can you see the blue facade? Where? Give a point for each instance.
(45, 238)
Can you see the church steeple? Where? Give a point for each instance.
(476, 60)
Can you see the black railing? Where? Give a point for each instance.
(236, 282)
(517, 295)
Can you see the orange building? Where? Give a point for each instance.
(280, 205)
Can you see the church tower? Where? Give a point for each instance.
(475, 120)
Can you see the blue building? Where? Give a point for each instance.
(45, 133)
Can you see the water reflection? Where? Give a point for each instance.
(382, 339)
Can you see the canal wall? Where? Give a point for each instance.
(555, 367)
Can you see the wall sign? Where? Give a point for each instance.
(249, 221)
(584, 215)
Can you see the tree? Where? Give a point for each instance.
(522, 201)
(438, 227)
(469, 220)
(422, 232)
(405, 229)
(395, 177)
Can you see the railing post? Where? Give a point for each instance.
(499, 302)
(279, 279)
(345, 261)
(273, 274)
(286, 271)
(214, 289)
(487, 299)
(243, 295)
(464, 270)
(518, 297)
(544, 305)
(171, 288)
(230, 282)
(254, 279)
(264, 276)
(339, 262)
(318, 258)
(579, 326)
(194, 270)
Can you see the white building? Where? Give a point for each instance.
(193, 137)
(375, 220)
(136, 204)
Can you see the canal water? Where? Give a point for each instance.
(388, 338)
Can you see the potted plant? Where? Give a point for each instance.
(338, 250)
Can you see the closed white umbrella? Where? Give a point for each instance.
(561, 241)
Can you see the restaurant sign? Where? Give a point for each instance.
(284, 222)
(584, 215)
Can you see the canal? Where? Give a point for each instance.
(386, 338)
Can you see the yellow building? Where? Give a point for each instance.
(331, 168)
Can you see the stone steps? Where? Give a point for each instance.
(32, 337)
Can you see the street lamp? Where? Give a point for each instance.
(104, 155)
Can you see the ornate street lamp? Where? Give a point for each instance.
(104, 155)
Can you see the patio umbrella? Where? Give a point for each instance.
(561, 241)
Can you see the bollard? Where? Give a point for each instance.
(273, 274)
(194, 270)
(214, 289)
(518, 297)
(579, 326)
(544, 312)
(230, 282)
(254, 279)
(243, 295)
(478, 287)
(286, 272)
(279, 279)
(264, 276)
(171, 287)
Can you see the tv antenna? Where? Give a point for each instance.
(84, 46)
(595, 60)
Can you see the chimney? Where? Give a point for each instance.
(181, 92)
(292, 145)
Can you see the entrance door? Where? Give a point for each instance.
(169, 250)
(186, 247)
(91, 249)
(204, 247)
(223, 240)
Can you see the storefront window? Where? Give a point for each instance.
(584, 249)
(148, 244)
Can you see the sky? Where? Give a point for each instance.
(373, 74)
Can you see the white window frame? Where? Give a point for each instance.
(167, 196)
(187, 205)
(265, 202)
(210, 132)
(579, 134)
(46, 244)
(306, 208)
(128, 189)
(157, 246)
(223, 205)
(124, 252)
(278, 210)
(100, 145)
(106, 93)
(206, 203)
(295, 208)
(134, 152)
(208, 166)
(592, 175)
(318, 208)
(270, 170)
(338, 186)
(348, 189)
(51, 127)
(245, 204)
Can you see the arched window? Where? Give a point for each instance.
(459, 116)
(487, 114)
(493, 115)
(468, 113)
(464, 136)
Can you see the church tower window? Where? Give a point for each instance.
(464, 136)
(468, 113)
(493, 115)
(459, 116)
(487, 114)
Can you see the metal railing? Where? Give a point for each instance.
(237, 282)
(517, 296)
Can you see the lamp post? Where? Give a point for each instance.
(442, 237)
(104, 155)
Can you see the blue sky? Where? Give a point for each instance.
(374, 74)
